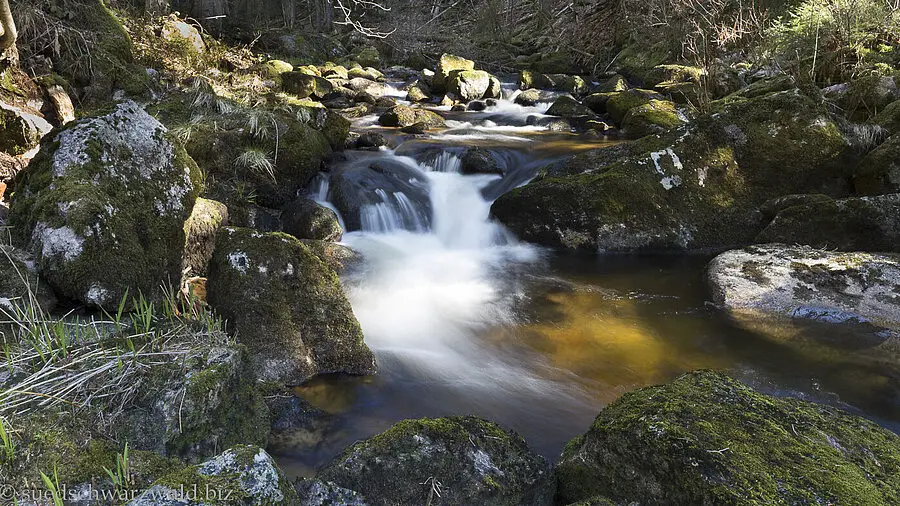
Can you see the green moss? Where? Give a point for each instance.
(673, 74)
(655, 117)
(708, 439)
(889, 117)
(619, 104)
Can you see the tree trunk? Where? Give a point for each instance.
(8, 39)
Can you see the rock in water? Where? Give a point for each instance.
(305, 219)
(852, 224)
(103, 207)
(244, 475)
(708, 439)
(697, 186)
(446, 65)
(469, 84)
(404, 116)
(467, 459)
(799, 281)
(286, 305)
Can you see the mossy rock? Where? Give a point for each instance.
(286, 306)
(200, 231)
(638, 57)
(243, 475)
(103, 207)
(889, 117)
(764, 87)
(473, 460)
(567, 107)
(274, 68)
(597, 101)
(673, 74)
(333, 71)
(708, 439)
(368, 57)
(879, 172)
(865, 97)
(851, 224)
(469, 84)
(532, 96)
(612, 84)
(404, 116)
(534, 80)
(619, 104)
(417, 94)
(655, 117)
(20, 130)
(695, 187)
(569, 83)
(447, 64)
(305, 219)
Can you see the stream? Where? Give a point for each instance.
(465, 319)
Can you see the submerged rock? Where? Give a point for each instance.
(305, 219)
(103, 207)
(286, 305)
(708, 439)
(444, 461)
(803, 282)
(698, 186)
(242, 475)
(852, 224)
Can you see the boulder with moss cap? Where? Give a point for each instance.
(103, 207)
(448, 64)
(471, 460)
(286, 305)
(695, 187)
(879, 171)
(708, 439)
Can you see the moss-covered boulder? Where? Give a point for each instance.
(469, 84)
(597, 101)
(466, 459)
(532, 96)
(568, 83)
(200, 231)
(447, 64)
(879, 171)
(404, 116)
(20, 287)
(178, 32)
(479, 161)
(619, 104)
(365, 73)
(529, 79)
(417, 94)
(368, 56)
(612, 84)
(20, 130)
(775, 280)
(708, 439)
(303, 85)
(286, 305)
(567, 107)
(672, 74)
(889, 117)
(274, 68)
(698, 186)
(190, 410)
(103, 207)
(851, 224)
(305, 219)
(243, 475)
(654, 117)
(865, 97)
(332, 71)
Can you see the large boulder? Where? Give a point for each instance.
(242, 475)
(695, 187)
(654, 117)
(444, 461)
(708, 439)
(305, 219)
(851, 224)
(303, 85)
(448, 64)
(879, 171)
(620, 103)
(775, 280)
(286, 305)
(103, 207)
(469, 84)
(182, 35)
(404, 116)
(889, 117)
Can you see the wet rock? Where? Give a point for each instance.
(708, 439)
(480, 161)
(531, 97)
(337, 256)
(852, 224)
(476, 105)
(468, 460)
(287, 307)
(654, 117)
(804, 282)
(103, 207)
(305, 219)
(243, 474)
(20, 129)
(355, 189)
(567, 107)
(879, 171)
(361, 85)
(370, 140)
(534, 80)
(415, 129)
(403, 116)
(416, 94)
(448, 64)
(469, 84)
(698, 186)
(597, 101)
